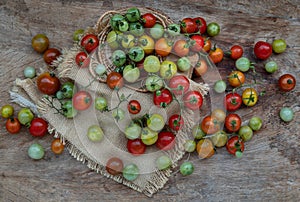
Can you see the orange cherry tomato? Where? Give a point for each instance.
(114, 80)
(181, 48)
(236, 78)
(201, 68)
(57, 146)
(207, 45)
(205, 148)
(163, 47)
(210, 125)
(13, 125)
(216, 55)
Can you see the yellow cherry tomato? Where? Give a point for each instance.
(147, 44)
(236, 78)
(249, 97)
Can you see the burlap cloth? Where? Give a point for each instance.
(73, 132)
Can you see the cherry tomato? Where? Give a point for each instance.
(234, 145)
(166, 140)
(187, 25)
(25, 116)
(38, 127)
(133, 14)
(57, 147)
(149, 20)
(167, 69)
(80, 58)
(148, 136)
(134, 107)
(114, 80)
(13, 125)
(200, 25)
(163, 162)
(181, 48)
(233, 101)
(89, 42)
(249, 97)
(183, 64)
(176, 122)
(48, 83)
(236, 78)
(136, 147)
(246, 133)
(279, 45)
(213, 29)
(205, 148)
(162, 97)
(78, 34)
(219, 114)
(198, 43)
(193, 100)
(147, 44)
(136, 54)
(236, 52)
(262, 50)
(179, 84)
(40, 43)
(201, 68)
(50, 55)
(287, 82)
(210, 125)
(207, 45)
(216, 55)
(233, 122)
(114, 166)
(7, 111)
(82, 100)
(163, 47)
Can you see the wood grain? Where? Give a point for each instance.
(270, 167)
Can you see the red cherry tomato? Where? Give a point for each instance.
(149, 20)
(193, 100)
(200, 25)
(198, 43)
(236, 52)
(179, 84)
(233, 122)
(262, 50)
(90, 42)
(114, 80)
(82, 100)
(181, 48)
(235, 144)
(80, 58)
(176, 122)
(210, 125)
(48, 83)
(13, 125)
(165, 141)
(38, 127)
(136, 147)
(50, 55)
(187, 25)
(233, 101)
(162, 98)
(287, 82)
(134, 107)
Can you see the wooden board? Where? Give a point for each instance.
(270, 167)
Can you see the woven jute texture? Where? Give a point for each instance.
(73, 132)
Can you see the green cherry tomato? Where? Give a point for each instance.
(148, 136)
(187, 168)
(255, 123)
(213, 29)
(173, 29)
(246, 133)
(183, 64)
(68, 109)
(151, 64)
(7, 111)
(95, 133)
(68, 89)
(133, 14)
(114, 21)
(220, 86)
(156, 122)
(36, 151)
(136, 54)
(119, 58)
(243, 64)
(219, 139)
(271, 67)
(131, 74)
(29, 72)
(78, 34)
(154, 83)
(136, 29)
(190, 146)
(279, 45)
(118, 114)
(100, 103)
(130, 172)
(25, 116)
(198, 132)
(286, 114)
(163, 162)
(100, 69)
(123, 26)
(168, 69)
(157, 31)
(113, 38)
(133, 131)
